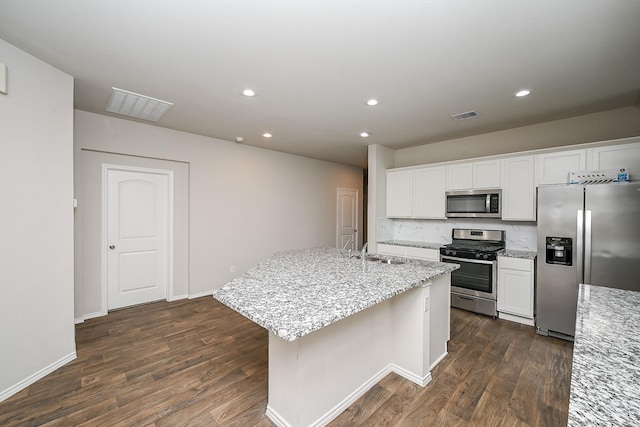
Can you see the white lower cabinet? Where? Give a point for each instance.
(409, 252)
(515, 289)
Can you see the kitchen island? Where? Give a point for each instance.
(338, 325)
(605, 375)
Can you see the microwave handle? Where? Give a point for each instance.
(487, 203)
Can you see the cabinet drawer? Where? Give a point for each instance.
(515, 263)
(423, 253)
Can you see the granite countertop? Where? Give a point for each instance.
(510, 253)
(514, 253)
(605, 377)
(294, 293)
(412, 244)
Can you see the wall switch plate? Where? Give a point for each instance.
(3, 78)
(426, 304)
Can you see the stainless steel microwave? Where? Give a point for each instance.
(474, 204)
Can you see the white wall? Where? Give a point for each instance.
(379, 160)
(36, 233)
(244, 203)
(602, 126)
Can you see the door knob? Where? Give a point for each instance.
(112, 247)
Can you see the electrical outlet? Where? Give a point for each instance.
(426, 304)
(232, 269)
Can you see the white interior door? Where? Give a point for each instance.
(347, 224)
(136, 236)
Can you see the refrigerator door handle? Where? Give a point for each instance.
(587, 246)
(579, 245)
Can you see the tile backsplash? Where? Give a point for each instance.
(520, 235)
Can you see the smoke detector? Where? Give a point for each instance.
(135, 105)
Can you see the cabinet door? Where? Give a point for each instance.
(399, 194)
(616, 156)
(518, 189)
(554, 168)
(429, 193)
(515, 292)
(486, 174)
(460, 177)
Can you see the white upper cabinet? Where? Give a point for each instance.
(518, 189)
(616, 156)
(418, 193)
(429, 193)
(400, 194)
(460, 177)
(486, 174)
(554, 168)
(467, 176)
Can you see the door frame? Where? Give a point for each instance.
(106, 168)
(357, 215)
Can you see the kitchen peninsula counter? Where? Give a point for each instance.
(297, 292)
(337, 326)
(605, 376)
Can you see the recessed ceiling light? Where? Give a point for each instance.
(522, 93)
(372, 102)
(248, 92)
(365, 134)
(267, 135)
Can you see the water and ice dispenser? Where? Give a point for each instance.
(559, 250)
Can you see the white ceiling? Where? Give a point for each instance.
(313, 64)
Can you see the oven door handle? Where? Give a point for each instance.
(474, 261)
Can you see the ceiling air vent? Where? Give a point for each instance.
(135, 105)
(465, 116)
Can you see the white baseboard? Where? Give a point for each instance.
(178, 297)
(201, 294)
(421, 381)
(438, 360)
(94, 315)
(279, 421)
(518, 319)
(5, 394)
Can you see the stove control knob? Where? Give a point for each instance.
(486, 256)
(477, 256)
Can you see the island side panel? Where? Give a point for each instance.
(440, 317)
(410, 335)
(316, 377)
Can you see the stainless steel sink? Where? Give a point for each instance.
(369, 258)
(392, 261)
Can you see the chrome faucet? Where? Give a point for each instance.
(364, 252)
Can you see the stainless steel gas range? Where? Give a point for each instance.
(473, 285)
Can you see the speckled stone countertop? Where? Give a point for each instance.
(513, 253)
(294, 293)
(510, 253)
(412, 244)
(605, 377)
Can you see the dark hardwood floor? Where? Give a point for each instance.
(198, 363)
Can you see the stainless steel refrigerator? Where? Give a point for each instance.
(586, 234)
